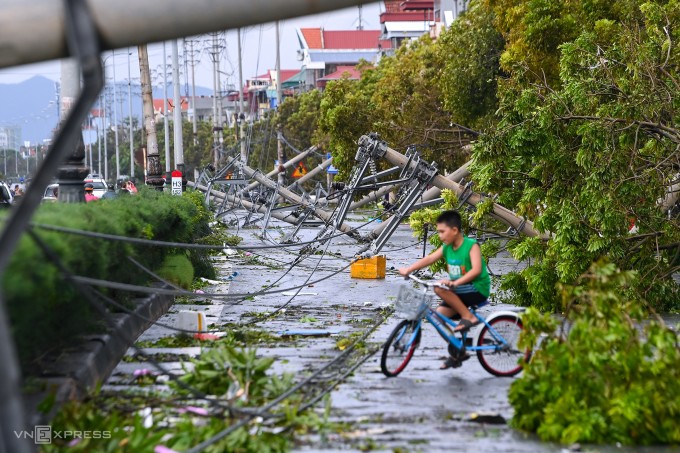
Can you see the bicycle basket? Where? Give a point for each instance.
(411, 303)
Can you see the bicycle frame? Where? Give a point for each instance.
(439, 321)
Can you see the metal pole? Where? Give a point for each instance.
(279, 133)
(105, 130)
(241, 116)
(194, 126)
(177, 110)
(166, 124)
(132, 144)
(99, 141)
(220, 108)
(115, 115)
(215, 58)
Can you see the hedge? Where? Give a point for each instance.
(45, 310)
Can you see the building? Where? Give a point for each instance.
(322, 52)
(348, 72)
(10, 137)
(445, 12)
(406, 20)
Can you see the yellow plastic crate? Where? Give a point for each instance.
(369, 268)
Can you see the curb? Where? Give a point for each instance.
(91, 362)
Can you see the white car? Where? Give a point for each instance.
(51, 193)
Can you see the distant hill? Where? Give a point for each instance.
(32, 105)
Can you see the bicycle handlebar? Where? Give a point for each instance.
(428, 284)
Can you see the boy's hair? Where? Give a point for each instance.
(451, 219)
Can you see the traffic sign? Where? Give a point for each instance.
(177, 182)
(300, 170)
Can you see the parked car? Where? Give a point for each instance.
(51, 193)
(6, 198)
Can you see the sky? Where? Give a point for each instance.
(259, 51)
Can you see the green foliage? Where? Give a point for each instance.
(237, 374)
(470, 50)
(427, 217)
(589, 154)
(178, 270)
(401, 99)
(48, 307)
(600, 377)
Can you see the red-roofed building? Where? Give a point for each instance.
(322, 52)
(406, 20)
(343, 72)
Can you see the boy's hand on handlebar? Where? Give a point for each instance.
(404, 272)
(447, 283)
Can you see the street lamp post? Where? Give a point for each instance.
(115, 121)
(132, 145)
(166, 125)
(115, 114)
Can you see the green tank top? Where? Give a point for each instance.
(458, 263)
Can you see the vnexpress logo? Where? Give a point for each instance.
(43, 434)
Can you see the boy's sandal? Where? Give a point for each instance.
(451, 362)
(467, 325)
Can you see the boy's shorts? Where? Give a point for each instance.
(470, 299)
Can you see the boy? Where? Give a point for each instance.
(468, 281)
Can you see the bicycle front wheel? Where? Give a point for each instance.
(505, 358)
(399, 348)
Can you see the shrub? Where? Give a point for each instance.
(37, 296)
(603, 376)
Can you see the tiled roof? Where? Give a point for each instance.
(313, 37)
(344, 71)
(288, 73)
(318, 38)
(351, 39)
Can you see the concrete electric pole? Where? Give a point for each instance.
(155, 173)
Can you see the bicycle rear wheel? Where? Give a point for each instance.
(399, 347)
(505, 360)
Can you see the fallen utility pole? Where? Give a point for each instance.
(287, 194)
(499, 212)
(429, 195)
(289, 218)
(672, 195)
(278, 170)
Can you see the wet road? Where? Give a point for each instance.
(424, 409)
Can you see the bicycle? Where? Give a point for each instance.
(495, 343)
